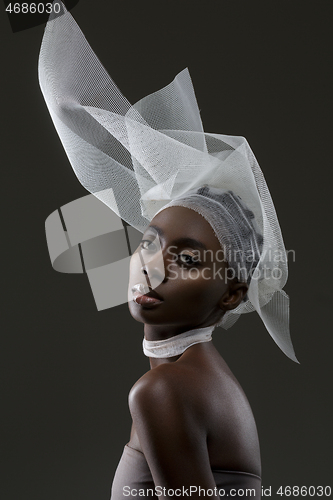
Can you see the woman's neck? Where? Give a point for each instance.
(163, 332)
(196, 352)
(171, 348)
(153, 333)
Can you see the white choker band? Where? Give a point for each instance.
(178, 344)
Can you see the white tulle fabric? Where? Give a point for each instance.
(137, 159)
(174, 346)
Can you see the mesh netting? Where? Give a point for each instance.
(137, 159)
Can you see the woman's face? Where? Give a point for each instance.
(181, 262)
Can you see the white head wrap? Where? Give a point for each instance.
(140, 159)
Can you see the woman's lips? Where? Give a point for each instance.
(149, 299)
(145, 300)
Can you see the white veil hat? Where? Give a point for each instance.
(138, 159)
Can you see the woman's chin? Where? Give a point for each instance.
(134, 312)
(141, 314)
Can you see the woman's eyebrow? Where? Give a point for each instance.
(191, 242)
(157, 229)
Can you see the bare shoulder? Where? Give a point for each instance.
(194, 382)
(197, 403)
(165, 419)
(162, 386)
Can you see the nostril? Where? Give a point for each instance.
(144, 271)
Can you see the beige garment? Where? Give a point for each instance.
(133, 480)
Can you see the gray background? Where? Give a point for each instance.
(260, 69)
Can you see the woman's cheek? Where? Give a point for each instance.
(207, 287)
(172, 272)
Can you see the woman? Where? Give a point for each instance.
(212, 250)
(192, 424)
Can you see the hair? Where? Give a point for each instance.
(237, 231)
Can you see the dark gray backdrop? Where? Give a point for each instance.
(260, 69)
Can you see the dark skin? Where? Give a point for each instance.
(190, 414)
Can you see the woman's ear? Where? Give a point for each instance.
(233, 296)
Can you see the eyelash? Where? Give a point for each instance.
(194, 260)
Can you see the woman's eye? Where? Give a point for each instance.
(148, 245)
(188, 259)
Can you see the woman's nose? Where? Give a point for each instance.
(153, 269)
